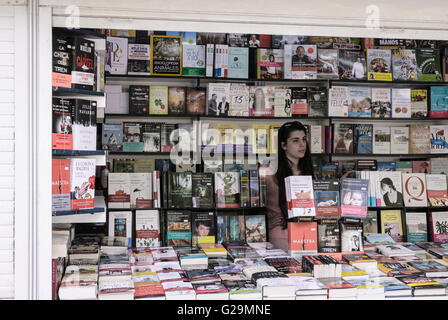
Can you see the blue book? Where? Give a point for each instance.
(132, 137)
(359, 102)
(386, 166)
(379, 238)
(439, 102)
(112, 136)
(238, 63)
(363, 138)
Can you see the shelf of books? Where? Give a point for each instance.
(197, 227)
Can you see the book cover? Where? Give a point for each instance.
(82, 183)
(239, 100)
(238, 39)
(62, 129)
(401, 103)
(416, 227)
(261, 141)
(439, 102)
(317, 102)
(132, 137)
(428, 64)
(421, 166)
(116, 61)
(282, 102)
(354, 194)
(218, 99)
(419, 139)
(399, 140)
(178, 229)
(391, 224)
(439, 138)
(404, 64)
(379, 64)
(120, 225)
(326, 198)
(138, 59)
(381, 102)
(138, 99)
(436, 190)
(255, 227)
(269, 64)
(147, 229)
(414, 190)
(203, 228)
(404, 166)
(327, 64)
(302, 238)
(439, 166)
(338, 103)
(419, 103)
(166, 55)
(141, 190)
(317, 139)
(151, 137)
(438, 222)
(359, 102)
(83, 70)
(165, 136)
(84, 124)
(196, 101)
(261, 101)
(381, 140)
(179, 189)
(227, 189)
(62, 61)
(352, 65)
(370, 223)
(397, 269)
(124, 165)
(221, 61)
(254, 188)
(300, 61)
(119, 190)
(238, 65)
(389, 189)
(299, 196)
(328, 236)
(202, 190)
(60, 185)
(158, 100)
(351, 237)
(176, 100)
(299, 101)
(112, 136)
(343, 138)
(193, 60)
(216, 38)
(363, 138)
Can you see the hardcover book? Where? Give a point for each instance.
(379, 64)
(166, 55)
(62, 133)
(138, 59)
(269, 64)
(138, 99)
(176, 100)
(381, 102)
(352, 65)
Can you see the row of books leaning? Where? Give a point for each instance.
(104, 268)
(238, 99)
(292, 61)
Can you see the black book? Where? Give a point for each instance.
(317, 102)
(62, 137)
(267, 274)
(165, 134)
(263, 190)
(202, 190)
(299, 101)
(179, 189)
(83, 70)
(252, 63)
(328, 236)
(244, 189)
(254, 188)
(151, 137)
(366, 165)
(62, 61)
(138, 100)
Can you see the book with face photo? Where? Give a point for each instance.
(227, 189)
(203, 228)
(352, 65)
(354, 194)
(359, 102)
(351, 237)
(300, 61)
(218, 102)
(269, 64)
(390, 187)
(379, 64)
(151, 137)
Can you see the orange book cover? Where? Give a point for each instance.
(302, 238)
(60, 184)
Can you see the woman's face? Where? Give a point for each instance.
(386, 188)
(295, 146)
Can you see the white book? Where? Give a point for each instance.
(381, 102)
(394, 250)
(116, 55)
(317, 137)
(84, 126)
(439, 138)
(120, 225)
(300, 196)
(399, 137)
(147, 228)
(414, 190)
(82, 183)
(239, 100)
(381, 140)
(401, 103)
(280, 105)
(119, 190)
(193, 60)
(218, 96)
(416, 225)
(436, 189)
(141, 190)
(390, 187)
(209, 59)
(338, 101)
(221, 60)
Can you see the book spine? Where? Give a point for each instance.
(245, 190)
(254, 189)
(263, 189)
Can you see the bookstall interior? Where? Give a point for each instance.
(162, 142)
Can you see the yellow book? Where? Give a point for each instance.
(302, 274)
(166, 55)
(273, 134)
(392, 225)
(123, 33)
(261, 138)
(227, 133)
(158, 100)
(400, 269)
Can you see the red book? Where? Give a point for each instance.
(302, 238)
(60, 185)
(62, 137)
